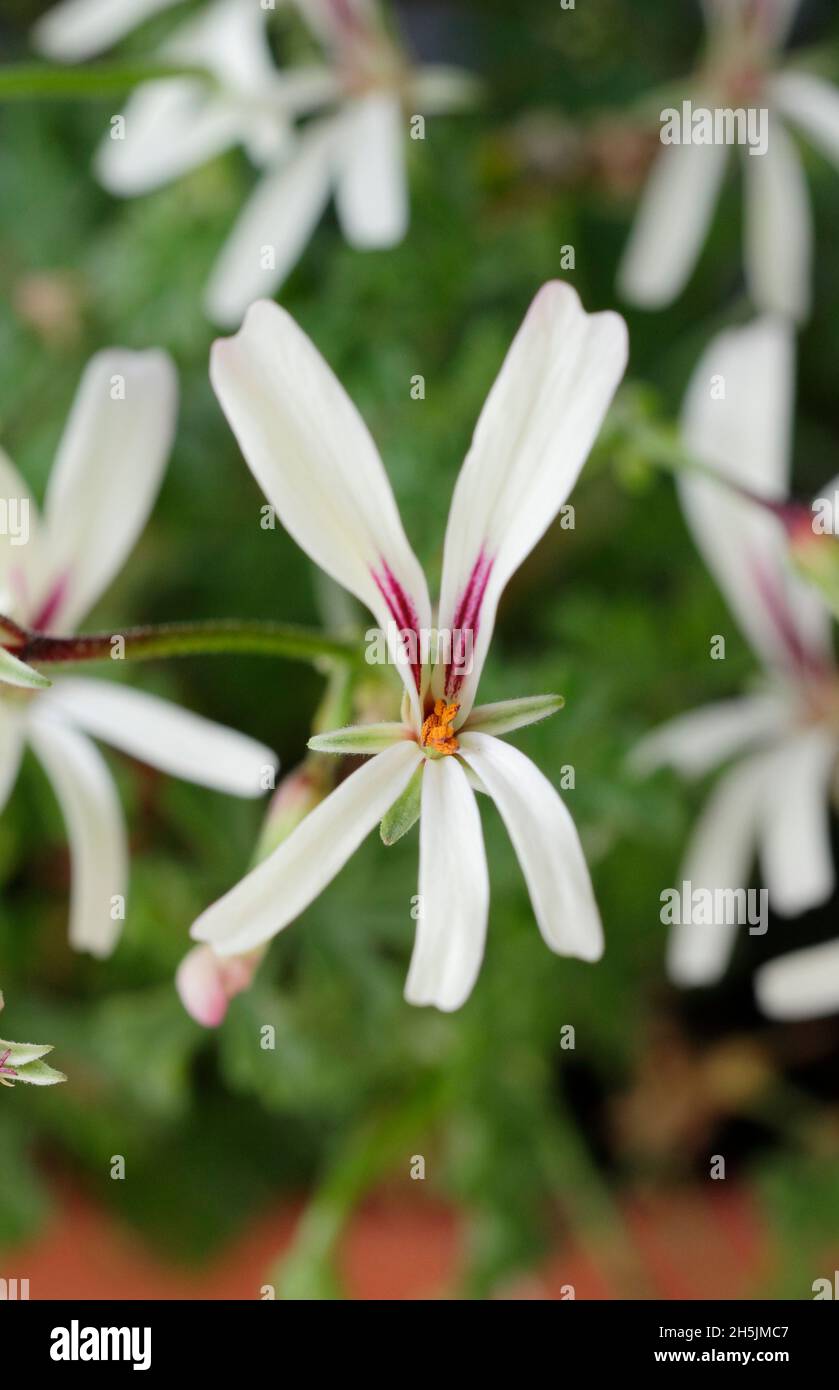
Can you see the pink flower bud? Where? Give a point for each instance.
(206, 982)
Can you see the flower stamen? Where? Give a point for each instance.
(437, 733)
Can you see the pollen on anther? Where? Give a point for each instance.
(437, 731)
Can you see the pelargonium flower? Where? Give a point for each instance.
(354, 147)
(782, 740)
(317, 464)
(742, 70)
(106, 476)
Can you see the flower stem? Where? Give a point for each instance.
(187, 639)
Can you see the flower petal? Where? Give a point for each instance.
(795, 849)
(813, 105)
(697, 742)
(546, 842)
(779, 233)
(107, 474)
(273, 228)
(719, 856)
(281, 887)
(175, 124)
(744, 434)
(503, 716)
(534, 433)
(371, 196)
(23, 564)
(164, 735)
(671, 223)
(11, 748)
(313, 456)
(95, 827)
(172, 125)
(15, 672)
(78, 29)
(802, 984)
(453, 891)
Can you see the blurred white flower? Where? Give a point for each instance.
(105, 479)
(316, 462)
(741, 70)
(354, 147)
(774, 800)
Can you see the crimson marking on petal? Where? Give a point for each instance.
(779, 611)
(468, 612)
(403, 611)
(51, 605)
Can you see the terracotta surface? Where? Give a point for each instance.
(687, 1245)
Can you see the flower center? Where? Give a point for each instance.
(437, 734)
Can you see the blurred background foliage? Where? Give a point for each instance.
(531, 1141)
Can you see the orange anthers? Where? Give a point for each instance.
(437, 732)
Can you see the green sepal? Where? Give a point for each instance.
(405, 811)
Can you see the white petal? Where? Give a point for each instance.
(671, 223)
(546, 842)
(453, 891)
(438, 88)
(534, 433)
(78, 29)
(803, 984)
(772, 18)
(175, 124)
(812, 104)
(719, 856)
(313, 457)
(284, 885)
(278, 218)
(92, 813)
(23, 565)
(745, 437)
(172, 125)
(371, 196)
(697, 742)
(164, 735)
(795, 849)
(778, 226)
(107, 473)
(11, 747)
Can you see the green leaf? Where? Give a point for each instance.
(405, 811)
(358, 738)
(506, 715)
(16, 672)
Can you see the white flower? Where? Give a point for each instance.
(102, 487)
(773, 801)
(355, 147)
(741, 71)
(316, 462)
